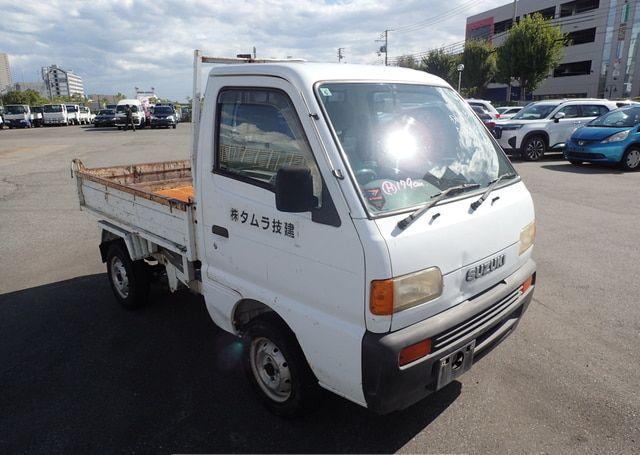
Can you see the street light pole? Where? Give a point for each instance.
(460, 70)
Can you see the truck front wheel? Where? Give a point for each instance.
(276, 367)
(129, 279)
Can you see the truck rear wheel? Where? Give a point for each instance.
(129, 279)
(276, 367)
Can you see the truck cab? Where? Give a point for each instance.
(55, 114)
(37, 116)
(18, 116)
(73, 114)
(85, 115)
(356, 226)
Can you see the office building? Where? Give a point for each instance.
(60, 82)
(601, 57)
(5, 71)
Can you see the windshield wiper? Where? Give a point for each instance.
(490, 188)
(402, 224)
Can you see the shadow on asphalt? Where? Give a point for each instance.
(584, 168)
(78, 373)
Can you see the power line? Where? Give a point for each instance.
(435, 19)
(457, 47)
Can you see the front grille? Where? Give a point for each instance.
(460, 331)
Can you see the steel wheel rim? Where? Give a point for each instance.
(270, 369)
(535, 148)
(633, 159)
(119, 277)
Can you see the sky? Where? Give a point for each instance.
(121, 44)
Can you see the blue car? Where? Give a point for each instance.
(612, 138)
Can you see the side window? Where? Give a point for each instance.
(259, 132)
(570, 111)
(593, 110)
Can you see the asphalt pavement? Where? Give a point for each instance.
(80, 374)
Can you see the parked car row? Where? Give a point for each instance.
(58, 114)
(584, 130)
(25, 116)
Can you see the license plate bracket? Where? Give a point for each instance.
(455, 364)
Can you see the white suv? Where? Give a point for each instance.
(545, 125)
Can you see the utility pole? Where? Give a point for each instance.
(384, 48)
(254, 52)
(340, 54)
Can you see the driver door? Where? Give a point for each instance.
(308, 267)
(560, 130)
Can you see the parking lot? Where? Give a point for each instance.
(78, 373)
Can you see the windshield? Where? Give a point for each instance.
(71, 108)
(620, 118)
(106, 112)
(15, 110)
(535, 112)
(407, 143)
(121, 108)
(52, 108)
(164, 110)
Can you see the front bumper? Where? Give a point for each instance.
(595, 152)
(488, 319)
(162, 122)
(104, 122)
(17, 123)
(54, 121)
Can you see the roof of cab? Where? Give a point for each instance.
(307, 74)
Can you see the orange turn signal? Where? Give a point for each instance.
(381, 298)
(414, 352)
(527, 284)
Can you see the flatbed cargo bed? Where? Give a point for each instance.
(153, 201)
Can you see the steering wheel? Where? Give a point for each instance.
(366, 175)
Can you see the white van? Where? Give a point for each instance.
(73, 114)
(139, 118)
(55, 114)
(356, 226)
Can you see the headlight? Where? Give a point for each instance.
(527, 237)
(621, 136)
(170, 118)
(397, 294)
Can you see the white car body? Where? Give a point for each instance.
(319, 279)
(57, 116)
(23, 119)
(486, 105)
(138, 116)
(506, 113)
(519, 135)
(73, 113)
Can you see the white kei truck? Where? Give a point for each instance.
(357, 226)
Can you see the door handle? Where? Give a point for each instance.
(577, 123)
(219, 230)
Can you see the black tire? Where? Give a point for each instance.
(576, 162)
(119, 127)
(631, 159)
(174, 126)
(268, 341)
(534, 148)
(120, 270)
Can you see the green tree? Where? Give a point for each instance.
(30, 97)
(480, 67)
(533, 48)
(440, 64)
(407, 61)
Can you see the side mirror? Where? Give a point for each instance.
(559, 116)
(294, 190)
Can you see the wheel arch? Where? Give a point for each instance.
(543, 133)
